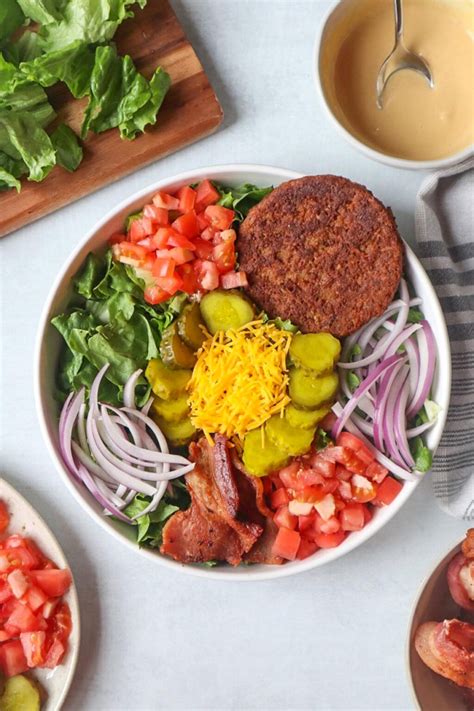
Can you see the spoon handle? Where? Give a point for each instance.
(398, 12)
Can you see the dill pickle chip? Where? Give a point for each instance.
(309, 390)
(166, 382)
(222, 310)
(20, 694)
(315, 351)
(172, 410)
(177, 433)
(190, 326)
(293, 440)
(305, 419)
(173, 350)
(260, 460)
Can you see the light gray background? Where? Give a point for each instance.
(153, 639)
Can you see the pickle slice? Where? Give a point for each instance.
(172, 410)
(173, 350)
(305, 419)
(20, 694)
(260, 460)
(222, 310)
(166, 382)
(315, 351)
(177, 433)
(310, 390)
(293, 440)
(190, 326)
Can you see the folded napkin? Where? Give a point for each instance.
(445, 236)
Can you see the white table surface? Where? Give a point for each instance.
(154, 639)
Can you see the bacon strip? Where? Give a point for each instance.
(447, 648)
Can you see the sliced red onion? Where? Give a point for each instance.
(351, 405)
(401, 421)
(380, 403)
(427, 354)
(129, 389)
(72, 412)
(388, 419)
(147, 405)
(100, 498)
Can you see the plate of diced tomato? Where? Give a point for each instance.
(39, 611)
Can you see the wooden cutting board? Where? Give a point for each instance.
(190, 112)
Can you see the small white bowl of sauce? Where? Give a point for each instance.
(419, 127)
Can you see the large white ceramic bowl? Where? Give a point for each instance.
(337, 10)
(433, 603)
(49, 343)
(26, 521)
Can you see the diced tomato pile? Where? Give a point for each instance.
(321, 497)
(34, 622)
(183, 241)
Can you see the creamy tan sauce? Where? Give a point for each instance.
(417, 122)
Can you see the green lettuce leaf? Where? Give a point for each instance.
(72, 64)
(242, 198)
(109, 322)
(67, 147)
(150, 526)
(421, 454)
(31, 142)
(10, 172)
(91, 21)
(41, 11)
(147, 114)
(8, 180)
(24, 49)
(11, 18)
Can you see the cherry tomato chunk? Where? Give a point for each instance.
(286, 544)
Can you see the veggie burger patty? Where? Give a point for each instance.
(323, 252)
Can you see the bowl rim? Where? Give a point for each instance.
(73, 652)
(387, 159)
(445, 559)
(270, 572)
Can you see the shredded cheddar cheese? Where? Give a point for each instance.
(240, 379)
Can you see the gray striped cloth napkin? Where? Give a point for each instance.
(445, 236)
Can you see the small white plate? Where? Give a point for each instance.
(27, 522)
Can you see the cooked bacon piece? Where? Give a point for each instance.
(448, 649)
(213, 528)
(461, 574)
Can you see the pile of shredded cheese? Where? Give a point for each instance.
(240, 379)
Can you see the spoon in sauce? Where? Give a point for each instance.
(400, 58)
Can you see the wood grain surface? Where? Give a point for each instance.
(190, 111)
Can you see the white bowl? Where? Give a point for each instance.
(335, 10)
(434, 602)
(49, 343)
(25, 520)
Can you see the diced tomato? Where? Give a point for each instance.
(283, 518)
(345, 490)
(5, 592)
(4, 636)
(305, 523)
(148, 243)
(176, 239)
(202, 248)
(116, 238)
(275, 480)
(345, 456)
(342, 473)
(363, 489)
(153, 294)
(4, 517)
(158, 215)
(206, 194)
(207, 274)
(13, 658)
(328, 422)
(18, 583)
(203, 222)
(187, 224)
(376, 472)
(306, 548)
(331, 525)
(234, 280)
(226, 236)
(224, 256)
(346, 439)
(19, 557)
(180, 255)
(387, 491)
(220, 217)
(35, 597)
(187, 198)
(166, 201)
(288, 475)
(278, 498)
(352, 517)
(367, 514)
(49, 607)
(310, 494)
(161, 237)
(140, 228)
(132, 251)
(300, 508)
(53, 582)
(23, 618)
(33, 644)
(54, 655)
(170, 284)
(163, 267)
(286, 543)
(188, 278)
(62, 623)
(329, 540)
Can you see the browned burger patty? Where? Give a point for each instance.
(323, 252)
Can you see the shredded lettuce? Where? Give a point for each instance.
(109, 322)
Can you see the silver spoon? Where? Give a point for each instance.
(400, 58)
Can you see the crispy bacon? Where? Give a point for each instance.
(219, 524)
(461, 570)
(447, 648)
(468, 545)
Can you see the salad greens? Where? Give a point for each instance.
(242, 198)
(68, 46)
(421, 454)
(150, 526)
(109, 322)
